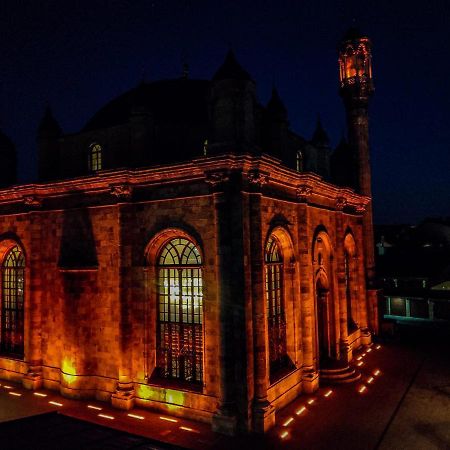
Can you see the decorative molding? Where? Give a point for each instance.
(304, 193)
(360, 207)
(341, 203)
(217, 177)
(32, 201)
(255, 177)
(121, 191)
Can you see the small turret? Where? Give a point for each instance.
(276, 126)
(8, 161)
(320, 137)
(232, 109)
(48, 134)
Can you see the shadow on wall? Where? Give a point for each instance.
(77, 243)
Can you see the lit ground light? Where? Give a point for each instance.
(284, 435)
(168, 419)
(311, 401)
(39, 394)
(328, 393)
(362, 389)
(94, 407)
(288, 422)
(300, 411)
(16, 394)
(189, 429)
(370, 380)
(105, 416)
(360, 363)
(135, 416)
(55, 403)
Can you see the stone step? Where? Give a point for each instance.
(339, 376)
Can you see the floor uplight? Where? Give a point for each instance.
(168, 419)
(300, 411)
(135, 416)
(328, 393)
(105, 416)
(16, 394)
(284, 435)
(94, 407)
(360, 364)
(288, 422)
(362, 389)
(39, 394)
(55, 403)
(370, 380)
(189, 429)
(369, 350)
(7, 387)
(378, 347)
(377, 372)
(311, 401)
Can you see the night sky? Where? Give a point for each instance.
(78, 55)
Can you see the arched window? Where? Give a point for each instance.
(180, 312)
(348, 292)
(13, 278)
(275, 306)
(95, 157)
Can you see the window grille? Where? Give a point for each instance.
(274, 304)
(12, 320)
(95, 157)
(180, 312)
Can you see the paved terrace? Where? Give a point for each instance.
(401, 402)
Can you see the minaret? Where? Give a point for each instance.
(356, 87)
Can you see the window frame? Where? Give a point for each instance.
(12, 303)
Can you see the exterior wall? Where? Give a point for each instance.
(91, 287)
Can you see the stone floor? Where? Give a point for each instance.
(401, 402)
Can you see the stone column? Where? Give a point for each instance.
(228, 227)
(344, 345)
(263, 411)
(123, 397)
(310, 377)
(33, 298)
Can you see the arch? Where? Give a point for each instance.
(95, 157)
(321, 244)
(351, 279)
(178, 265)
(322, 260)
(12, 298)
(299, 161)
(278, 254)
(161, 237)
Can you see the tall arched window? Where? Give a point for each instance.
(95, 157)
(180, 312)
(275, 306)
(12, 320)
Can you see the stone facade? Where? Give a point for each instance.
(276, 297)
(90, 320)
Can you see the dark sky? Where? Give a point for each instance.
(78, 55)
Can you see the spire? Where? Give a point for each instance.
(231, 70)
(49, 125)
(275, 106)
(320, 137)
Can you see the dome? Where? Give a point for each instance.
(166, 100)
